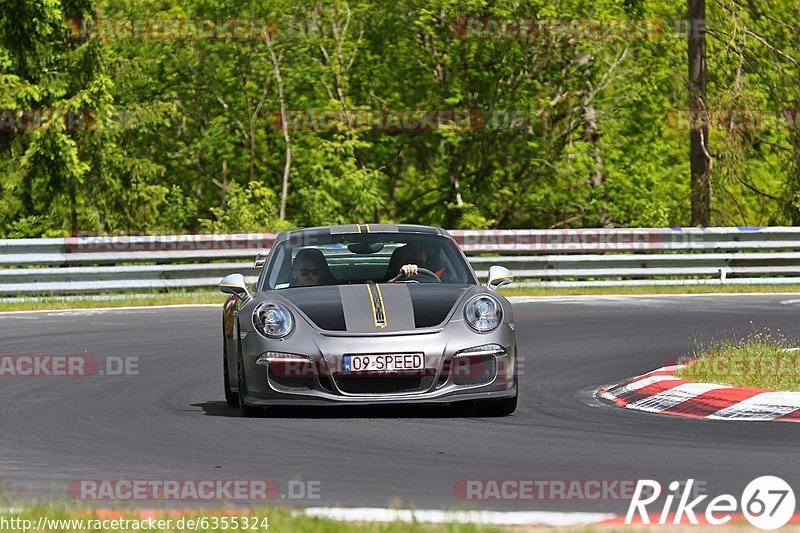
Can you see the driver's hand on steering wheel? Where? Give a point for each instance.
(408, 270)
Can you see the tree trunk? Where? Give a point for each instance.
(287, 167)
(73, 219)
(699, 157)
(592, 134)
(224, 188)
(793, 202)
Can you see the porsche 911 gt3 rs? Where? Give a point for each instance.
(368, 314)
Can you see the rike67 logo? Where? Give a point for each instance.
(767, 502)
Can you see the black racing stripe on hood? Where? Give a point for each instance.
(323, 305)
(432, 303)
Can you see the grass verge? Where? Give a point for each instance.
(62, 519)
(762, 360)
(657, 289)
(209, 296)
(112, 300)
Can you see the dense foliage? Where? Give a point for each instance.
(184, 133)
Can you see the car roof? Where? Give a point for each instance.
(359, 228)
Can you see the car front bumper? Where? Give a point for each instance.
(460, 365)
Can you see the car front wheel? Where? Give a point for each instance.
(503, 407)
(231, 398)
(247, 410)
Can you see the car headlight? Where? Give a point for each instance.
(273, 320)
(483, 313)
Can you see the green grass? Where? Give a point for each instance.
(278, 519)
(115, 300)
(210, 296)
(285, 519)
(759, 360)
(662, 289)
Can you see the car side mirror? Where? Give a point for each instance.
(260, 259)
(499, 276)
(234, 284)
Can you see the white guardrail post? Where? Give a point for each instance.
(558, 258)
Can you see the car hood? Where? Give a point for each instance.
(374, 308)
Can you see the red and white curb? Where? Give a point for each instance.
(497, 518)
(660, 391)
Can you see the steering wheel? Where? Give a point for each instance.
(421, 273)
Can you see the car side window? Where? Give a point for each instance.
(281, 272)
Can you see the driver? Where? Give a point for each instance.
(309, 268)
(412, 257)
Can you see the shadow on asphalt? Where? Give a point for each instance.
(219, 408)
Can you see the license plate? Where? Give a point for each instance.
(383, 362)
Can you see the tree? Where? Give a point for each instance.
(699, 157)
(47, 74)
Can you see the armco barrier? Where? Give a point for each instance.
(566, 258)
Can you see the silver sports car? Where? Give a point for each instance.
(368, 314)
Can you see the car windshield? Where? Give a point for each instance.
(360, 258)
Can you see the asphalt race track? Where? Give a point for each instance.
(171, 422)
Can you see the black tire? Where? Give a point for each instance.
(247, 410)
(231, 398)
(503, 407)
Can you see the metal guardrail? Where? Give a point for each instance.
(559, 258)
